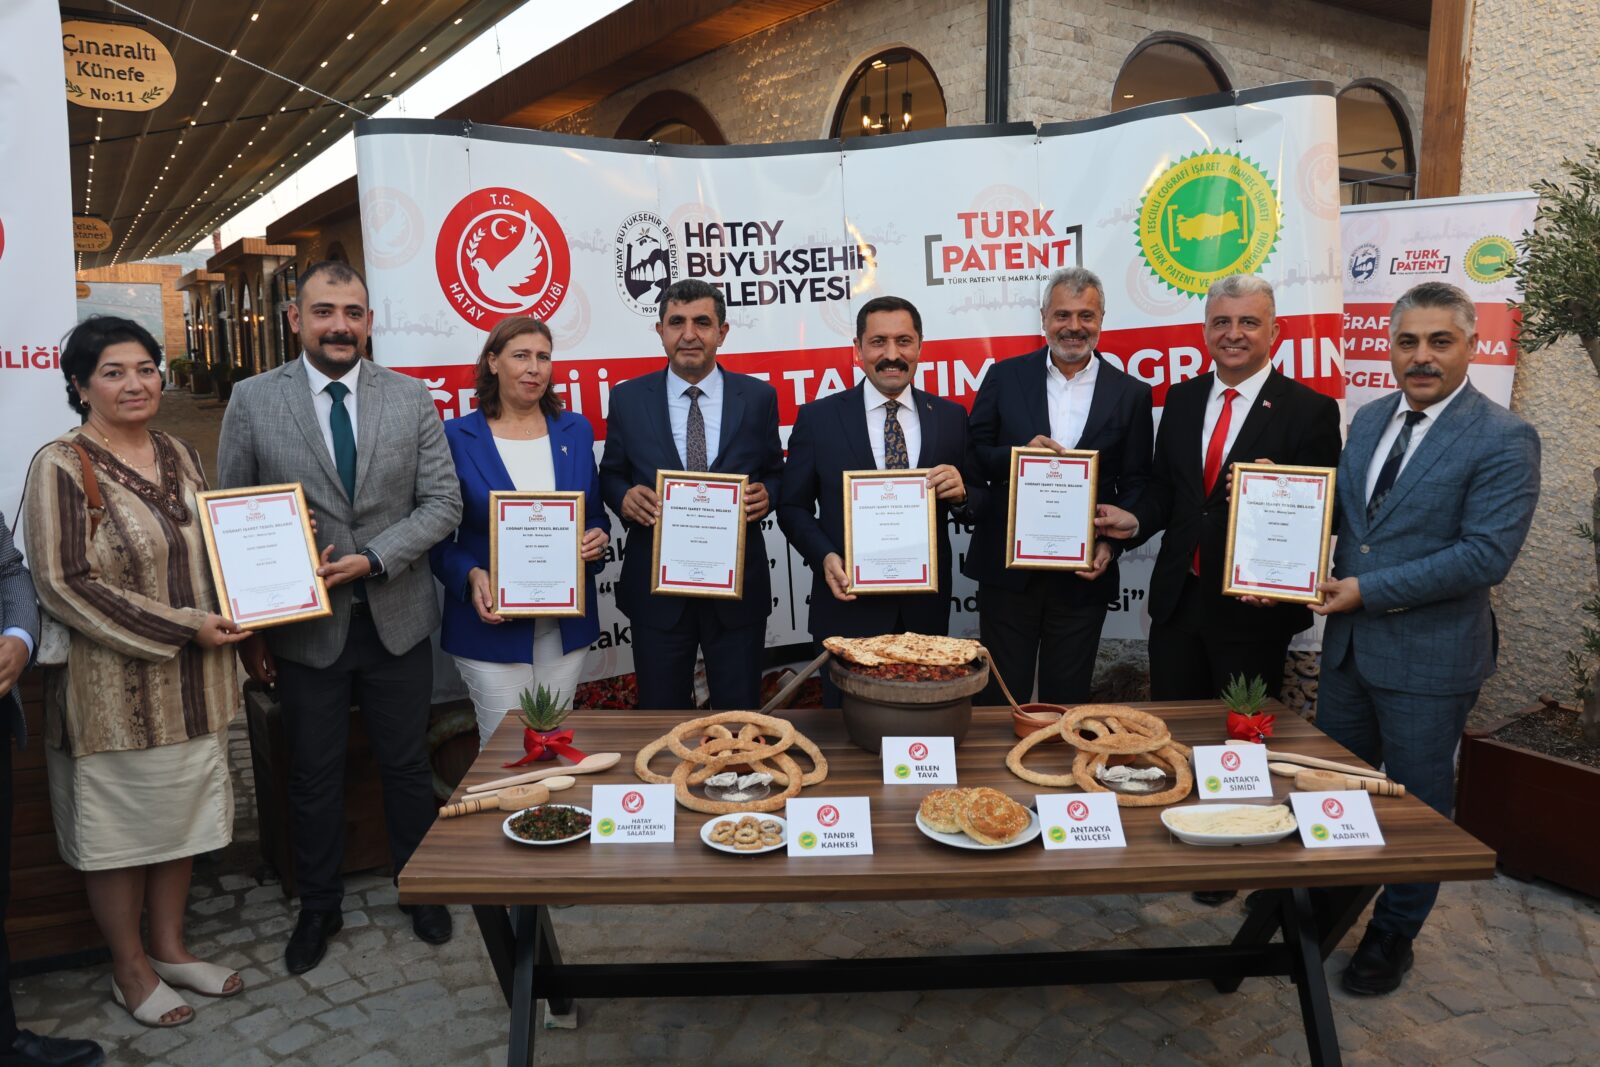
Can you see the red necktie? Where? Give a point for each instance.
(1214, 450)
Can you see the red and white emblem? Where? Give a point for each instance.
(1077, 810)
(1332, 808)
(1230, 761)
(918, 750)
(501, 253)
(828, 815)
(632, 802)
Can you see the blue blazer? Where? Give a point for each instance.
(1445, 535)
(481, 471)
(639, 443)
(829, 438)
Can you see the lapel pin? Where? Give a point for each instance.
(563, 450)
(1266, 403)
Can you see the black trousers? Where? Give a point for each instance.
(663, 661)
(1040, 628)
(1192, 658)
(8, 1013)
(394, 693)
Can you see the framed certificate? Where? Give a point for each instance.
(536, 554)
(1280, 520)
(698, 543)
(263, 555)
(890, 532)
(1050, 519)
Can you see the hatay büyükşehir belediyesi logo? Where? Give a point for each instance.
(501, 253)
(1209, 215)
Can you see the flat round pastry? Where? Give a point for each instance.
(990, 817)
(940, 810)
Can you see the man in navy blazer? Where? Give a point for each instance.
(659, 422)
(1064, 396)
(858, 429)
(1436, 492)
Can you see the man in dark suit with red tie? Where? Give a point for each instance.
(1243, 411)
(1063, 396)
(884, 423)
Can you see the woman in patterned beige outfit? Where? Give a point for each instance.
(135, 720)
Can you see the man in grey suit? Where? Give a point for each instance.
(1437, 487)
(368, 446)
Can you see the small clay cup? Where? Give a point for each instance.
(1037, 717)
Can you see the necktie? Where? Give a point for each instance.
(1391, 464)
(695, 433)
(894, 439)
(344, 438)
(1214, 450)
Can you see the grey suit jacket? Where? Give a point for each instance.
(407, 495)
(1445, 535)
(17, 608)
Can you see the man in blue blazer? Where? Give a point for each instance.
(884, 423)
(1437, 487)
(1064, 396)
(693, 415)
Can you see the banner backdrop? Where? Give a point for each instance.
(1465, 240)
(465, 225)
(37, 292)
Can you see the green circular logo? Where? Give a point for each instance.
(1213, 784)
(1319, 831)
(1058, 834)
(808, 840)
(1489, 259)
(902, 771)
(1207, 216)
(606, 827)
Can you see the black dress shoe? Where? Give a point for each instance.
(1213, 897)
(33, 1050)
(1381, 960)
(431, 922)
(310, 939)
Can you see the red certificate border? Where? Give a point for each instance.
(571, 508)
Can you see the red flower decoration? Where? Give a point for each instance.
(1254, 728)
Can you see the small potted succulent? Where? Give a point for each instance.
(542, 713)
(1246, 720)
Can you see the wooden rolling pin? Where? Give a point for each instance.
(513, 799)
(600, 761)
(1313, 761)
(1314, 781)
(554, 785)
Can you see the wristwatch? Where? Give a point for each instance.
(377, 564)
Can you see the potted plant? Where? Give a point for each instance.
(200, 378)
(180, 369)
(1520, 771)
(542, 737)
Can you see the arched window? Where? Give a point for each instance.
(890, 92)
(1377, 160)
(670, 117)
(1167, 66)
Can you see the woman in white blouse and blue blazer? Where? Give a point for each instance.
(520, 439)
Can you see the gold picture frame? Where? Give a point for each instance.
(928, 581)
(1306, 593)
(714, 587)
(1020, 456)
(315, 606)
(499, 499)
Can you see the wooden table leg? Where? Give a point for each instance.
(1305, 968)
(524, 1005)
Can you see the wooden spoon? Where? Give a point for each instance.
(1313, 781)
(1314, 761)
(513, 799)
(600, 761)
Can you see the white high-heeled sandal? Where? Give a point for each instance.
(160, 1001)
(207, 979)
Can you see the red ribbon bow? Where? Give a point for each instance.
(540, 746)
(1255, 728)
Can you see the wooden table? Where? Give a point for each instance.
(468, 861)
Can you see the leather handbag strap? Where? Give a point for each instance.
(91, 489)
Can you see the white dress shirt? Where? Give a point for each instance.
(1068, 400)
(324, 403)
(1430, 415)
(530, 464)
(710, 412)
(910, 422)
(1248, 390)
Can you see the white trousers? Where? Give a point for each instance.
(496, 688)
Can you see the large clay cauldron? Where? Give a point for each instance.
(875, 708)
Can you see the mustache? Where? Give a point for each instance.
(339, 339)
(891, 364)
(1073, 335)
(1424, 370)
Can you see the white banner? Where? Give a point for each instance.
(465, 225)
(36, 279)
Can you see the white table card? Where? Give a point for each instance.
(919, 761)
(1080, 820)
(832, 826)
(1230, 772)
(632, 814)
(1340, 819)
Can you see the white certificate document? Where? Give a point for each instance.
(889, 532)
(1051, 521)
(698, 549)
(535, 562)
(1279, 523)
(262, 555)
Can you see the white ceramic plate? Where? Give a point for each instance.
(506, 826)
(1192, 838)
(705, 834)
(963, 841)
